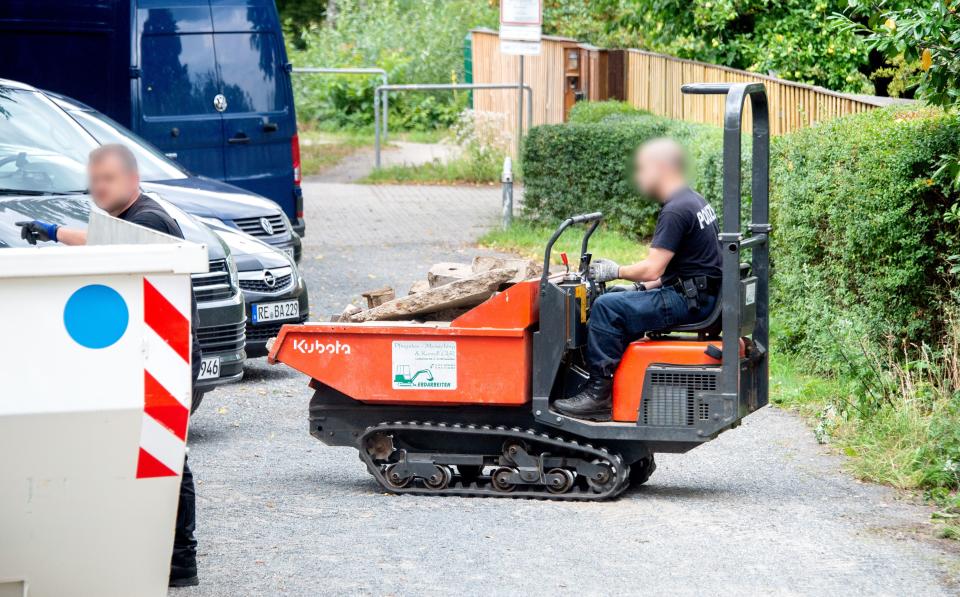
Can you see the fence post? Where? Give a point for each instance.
(376, 127)
(507, 179)
(384, 89)
(520, 107)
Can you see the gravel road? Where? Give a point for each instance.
(761, 510)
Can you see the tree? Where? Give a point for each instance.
(927, 40)
(298, 16)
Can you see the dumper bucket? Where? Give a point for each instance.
(482, 357)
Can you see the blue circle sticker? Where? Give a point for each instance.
(96, 316)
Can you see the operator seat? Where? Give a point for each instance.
(709, 328)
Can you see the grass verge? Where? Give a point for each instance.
(529, 240)
(460, 170)
(909, 440)
(322, 149)
(904, 443)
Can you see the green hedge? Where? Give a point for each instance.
(862, 234)
(581, 167)
(588, 112)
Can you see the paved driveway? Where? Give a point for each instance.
(762, 510)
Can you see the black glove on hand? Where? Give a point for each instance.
(36, 230)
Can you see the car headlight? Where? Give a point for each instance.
(234, 275)
(215, 223)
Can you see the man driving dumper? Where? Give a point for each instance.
(677, 283)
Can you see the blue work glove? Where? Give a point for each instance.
(604, 270)
(36, 230)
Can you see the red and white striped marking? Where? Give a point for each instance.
(166, 377)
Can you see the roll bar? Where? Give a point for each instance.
(756, 236)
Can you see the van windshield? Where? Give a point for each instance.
(42, 150)
(153, 165)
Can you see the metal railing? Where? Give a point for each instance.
(315, 70)
(384, 89)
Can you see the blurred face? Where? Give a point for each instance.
(647, 174)
(112, 185)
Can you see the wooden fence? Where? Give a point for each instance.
(544, 74)
(654, 80)
(650, 82)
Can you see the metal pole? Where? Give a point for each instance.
(386, 108)
(441, 86)
(520, 107)
(529, 105)
(376, 127)
(507, 179)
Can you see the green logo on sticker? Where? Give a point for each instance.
(421, 379)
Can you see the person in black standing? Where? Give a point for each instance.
(115, 188)
(677, 283)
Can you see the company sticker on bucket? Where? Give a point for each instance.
(424, 365)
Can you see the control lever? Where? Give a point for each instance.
(566, 262)
(585, 264)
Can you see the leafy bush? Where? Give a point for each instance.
(793, 39)
(862, 234)
(582, 167)
(587, 112)
(415, 41)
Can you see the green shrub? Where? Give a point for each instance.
(862, 234)
(582, 167)
(588, 112)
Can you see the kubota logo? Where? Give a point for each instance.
(319, 347)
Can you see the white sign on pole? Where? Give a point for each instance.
(520, 27)
(521, 12)
(519, 48)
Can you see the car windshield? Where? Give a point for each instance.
(42, 150)
(153, 165)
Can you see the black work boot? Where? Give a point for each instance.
(593, 403)
(184, 575)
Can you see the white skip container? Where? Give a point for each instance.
(94, 402)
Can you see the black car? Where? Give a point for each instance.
(196, 195)
(42, 176)
(273, 290)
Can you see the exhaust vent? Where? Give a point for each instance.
(669, 396)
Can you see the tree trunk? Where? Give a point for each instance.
(331, 14)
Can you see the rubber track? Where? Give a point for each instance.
(472, 489)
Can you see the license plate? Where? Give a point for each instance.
(209, 368)
(262, 312)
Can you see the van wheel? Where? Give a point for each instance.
(641, 470)
(196, 400)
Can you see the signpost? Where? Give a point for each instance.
(521, 24)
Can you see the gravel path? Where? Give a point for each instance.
(761, 510)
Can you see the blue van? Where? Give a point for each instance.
(206, 81)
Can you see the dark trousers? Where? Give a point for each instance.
(619, 318)
(184, 559)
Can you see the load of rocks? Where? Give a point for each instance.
(449, 290)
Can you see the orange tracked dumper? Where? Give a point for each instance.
(464, 407)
